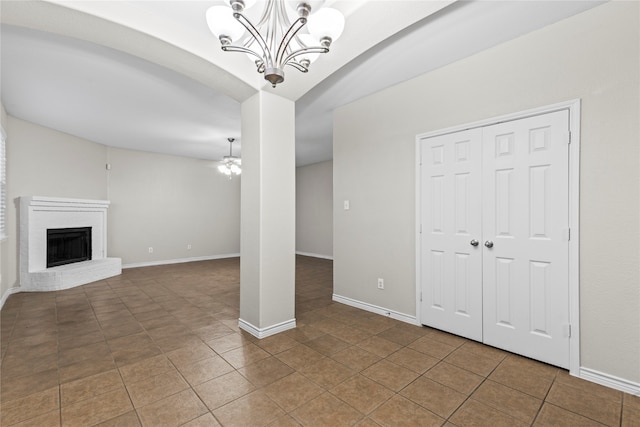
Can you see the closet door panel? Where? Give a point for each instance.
(451, 267)
(525, 227)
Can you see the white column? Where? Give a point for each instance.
(267, 242)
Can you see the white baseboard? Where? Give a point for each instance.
(178, 261)
(206, 258)
(314, 255)
(610, 381)
(8, 293)
(376, 309)
(269, 330)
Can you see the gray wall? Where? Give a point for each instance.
(593, 56)
(169, 202)
(314, 209)
(159, 201)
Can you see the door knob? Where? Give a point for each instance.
(474, 242)
(488, 244)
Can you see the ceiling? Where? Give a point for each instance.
(148, 75)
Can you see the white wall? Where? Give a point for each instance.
(314, 209)
(157, 200)
(593, 56)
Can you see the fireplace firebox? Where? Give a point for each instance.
(68, 245)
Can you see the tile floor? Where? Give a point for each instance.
(160, 346)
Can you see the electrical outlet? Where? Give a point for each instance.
(380, 283)
(189, 247)
(150, 250)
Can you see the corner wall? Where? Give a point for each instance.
(593, 56)
(314, 211)
(159, 201)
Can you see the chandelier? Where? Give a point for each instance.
(230, 165)
(278, 38)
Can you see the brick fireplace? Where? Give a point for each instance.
(40, 218)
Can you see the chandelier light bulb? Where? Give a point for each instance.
(223, 25)
(326, 23)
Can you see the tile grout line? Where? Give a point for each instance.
(329, 312)
(544, 399)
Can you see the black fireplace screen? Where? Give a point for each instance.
(68, 245)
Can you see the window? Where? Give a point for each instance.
(3, 185)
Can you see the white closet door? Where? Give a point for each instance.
(525, 232)
(451, 224)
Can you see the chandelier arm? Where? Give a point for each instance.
(231, 48)
(279, 21)
(255, 34)
(298, 66)
(291, 32)
(281, 12)
(299, 52)
(270, 37)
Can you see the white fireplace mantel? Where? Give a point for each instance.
(37, 214)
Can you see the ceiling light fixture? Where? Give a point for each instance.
(277, 40)
(230, 165)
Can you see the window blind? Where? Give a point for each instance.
(3, 185)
